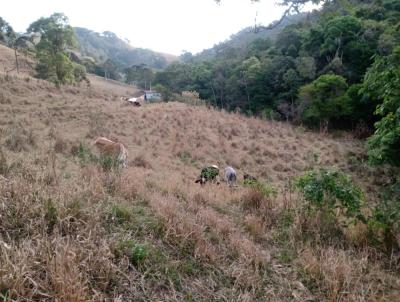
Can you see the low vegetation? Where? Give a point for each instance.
(73, 230)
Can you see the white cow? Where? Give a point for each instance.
(230, 176)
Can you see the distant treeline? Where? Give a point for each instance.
(312, 72)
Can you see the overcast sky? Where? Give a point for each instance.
(168, 26)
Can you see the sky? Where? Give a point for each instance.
(169, 26)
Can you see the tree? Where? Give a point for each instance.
(324, 99)
(57, 36)
(382, 83)
(291, 80)
(140, 75)
(337, 33)
(110, 69)
(306, 68)
(338, 41)
(7, 34)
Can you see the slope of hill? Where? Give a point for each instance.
(72, 230)
(107, 45)
(8, 63)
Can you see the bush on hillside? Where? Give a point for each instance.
(329, 190)
(384, 225)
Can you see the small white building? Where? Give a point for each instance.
(152, 96)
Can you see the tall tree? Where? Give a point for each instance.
(7, 34)
(56, 37)
(382, 82)
(141, 75)
(324, 99)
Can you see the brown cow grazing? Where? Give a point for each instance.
(115, 150)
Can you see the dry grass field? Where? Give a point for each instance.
(71, 230)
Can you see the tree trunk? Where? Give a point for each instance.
(16, 59)
(215, 97)
(323, 126)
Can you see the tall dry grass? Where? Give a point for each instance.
(72, 231)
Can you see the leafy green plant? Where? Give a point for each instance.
(136, 252)
(382, 83)
(328, 190)
(385, 220)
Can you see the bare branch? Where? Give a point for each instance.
(276, 23)
(292, 5)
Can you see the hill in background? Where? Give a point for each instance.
(242, 39)
(107, 45)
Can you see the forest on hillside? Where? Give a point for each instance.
(318, 72)
(108, 46)
(103, 54)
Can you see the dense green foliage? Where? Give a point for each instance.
(386, 218)
(382, 82)
(328, 190)
(266, 75)
(324, 99)
(54, 64)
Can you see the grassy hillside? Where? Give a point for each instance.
(71, 230)
(107, 45)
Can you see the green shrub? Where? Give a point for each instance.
(121, 213)
(385, 220)
(83, 153)
(328, 190)
(266, 190)
(136, 252)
